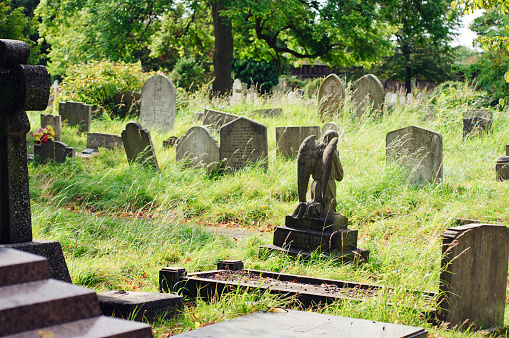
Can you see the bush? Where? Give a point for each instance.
(264, 75)
(491, 67)
(97, 82)
(188, 74)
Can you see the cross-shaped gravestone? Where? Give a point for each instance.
(22, 88)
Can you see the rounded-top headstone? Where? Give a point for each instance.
(158, 104)
(198, 147)
(331, 96)
(332, 126)
(368, 89)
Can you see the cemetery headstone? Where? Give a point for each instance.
(477, 122)
(214, 119)
(198, 147)
(289, 139)
(243, 141)
(138, 145)
(502, 168)
(171, 142)
(54, 151)
(391, 99)
(76, 114)
(100, 140)
(331, 96)
(237, 92)
(280, 88)
(55, 121)
(473, 280)
(332, 126)
(127, 103)
(22, 88)
(419, 150)
(158, 104)
(367, 91)
(270, 112)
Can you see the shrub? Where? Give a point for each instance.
(260, 73)
(188, 74)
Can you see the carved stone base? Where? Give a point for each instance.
(332, 222)
(311, 240)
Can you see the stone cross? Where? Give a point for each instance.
(22, 88)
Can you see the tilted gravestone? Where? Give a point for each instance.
(243, 141)
(419, 150)
(214, 119)
(54, 121)
(477, 122)
(158, 104)
(55, 151)
(22, 88)
(331, 96)
(127, 103)
(289, 139)
(198, 147)
(367, 91)
(473, 280)
(138, 145)
(100, 140)
(76, 114)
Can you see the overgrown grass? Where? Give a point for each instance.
(120, 224)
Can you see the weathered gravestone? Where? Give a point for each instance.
(289, 139)
(138, 145)
(22, 88)
(76, 114)
(473, 280)
(100, 140)
(332, 126)
(367, 91)
(419, 150)
(331, 96)
(243, 141)
(198, 147)
(502, 168)
(54, 151)
(270, 112)
(54, 121)
(477, 122)
(214, 119)
(237, 92)
(127, 103)
(158, 104)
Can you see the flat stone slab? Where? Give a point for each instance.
(21, 267)
(304, 324)
(139, 305)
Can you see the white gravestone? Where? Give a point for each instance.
(331, 96)
(198, 147)
(158, 104)
(367, 91)
(237, 92)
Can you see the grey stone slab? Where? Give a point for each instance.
(289, 139)
(127, 103)
(198, 147)
(21, 267)
(96, 327)
(214, 119)
(158, 104)
(419, 150)
(243, 142)
(55, 121)
(502, 168)
(53, 151)
(140, 306)
(76, 114)
(331, 96)
(303, 324)
(237, 92)
(473, 280)
(367, 91)
(138, 145)
(33, 305)
(51, 250)
(100, 140)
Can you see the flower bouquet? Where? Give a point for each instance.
(42, 135)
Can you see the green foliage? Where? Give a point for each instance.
(262, 74)
(188, 74)
(488, 71)
(97, 82)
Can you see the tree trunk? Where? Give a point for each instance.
(223, 51)
(408, 80)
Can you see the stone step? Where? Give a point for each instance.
(21, 267)
(91, 328)
(39, 304)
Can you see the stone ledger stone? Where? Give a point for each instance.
(419, 150)
(138, 145)
(367, 91)
(55, 121)
(54, 151)
(243, 142)
(214, 119)
(289, 139)
(331, 96)
(158, 104)
(473, 281)
(198, 147)
(100, 140)
(76, 114)
(127, 103)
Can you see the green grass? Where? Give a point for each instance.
(120, 224)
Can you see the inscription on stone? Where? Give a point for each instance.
(331, 96)
(158, 104)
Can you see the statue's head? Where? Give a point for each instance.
(329, 135)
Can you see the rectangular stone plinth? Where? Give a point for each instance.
(332, 221)
(340, 240)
